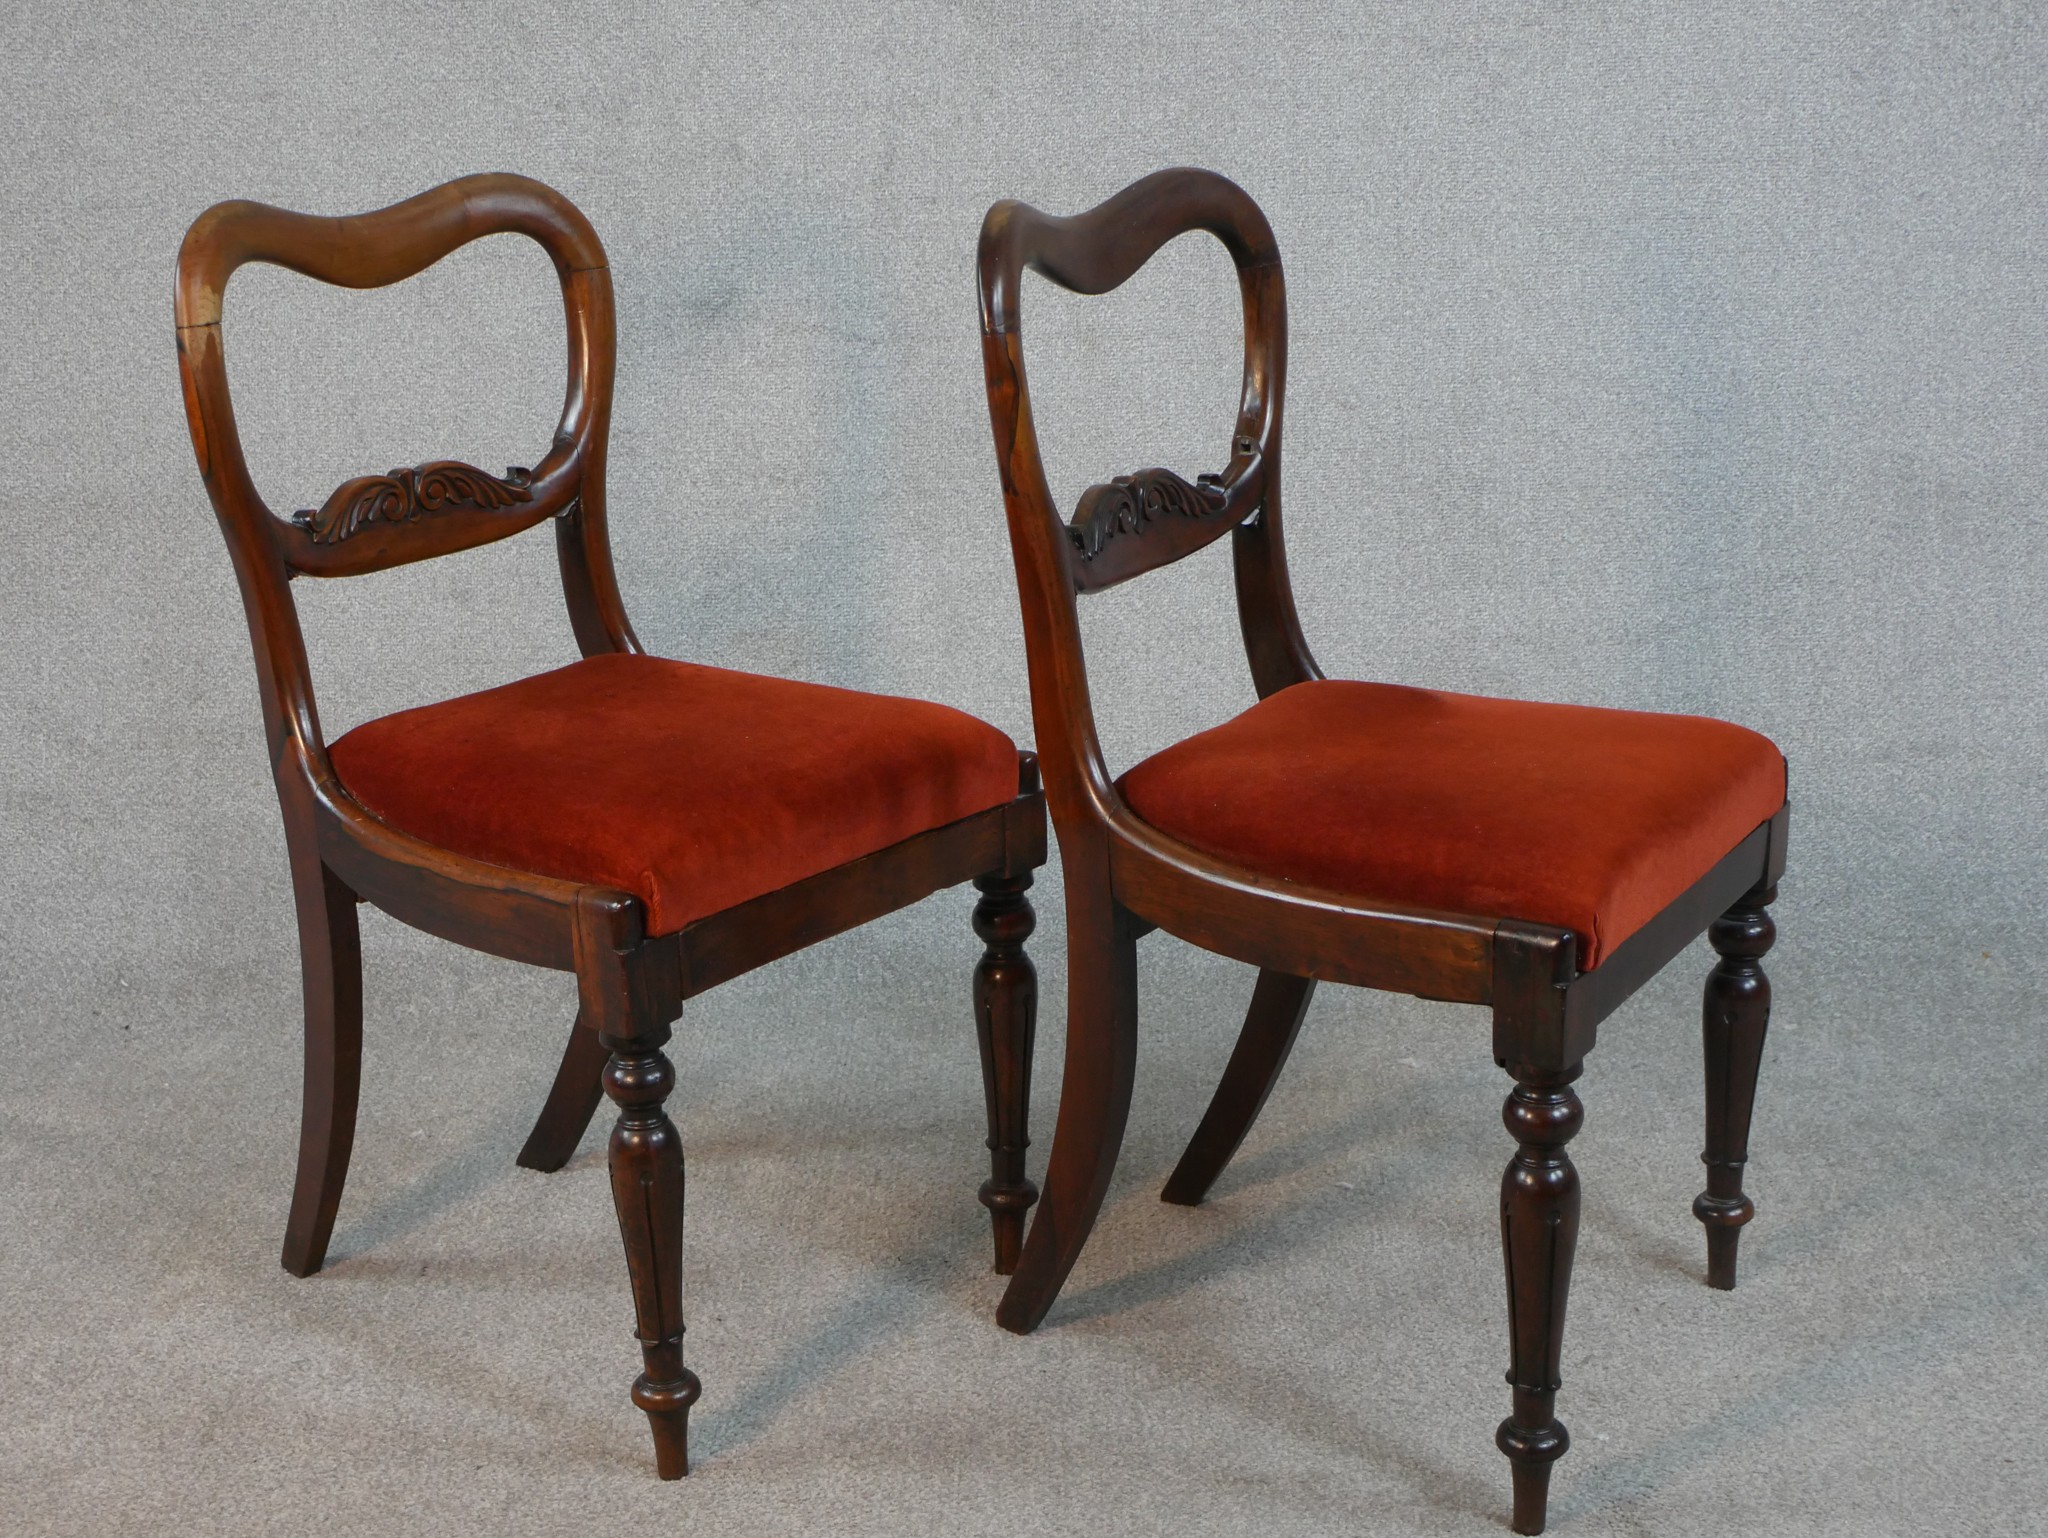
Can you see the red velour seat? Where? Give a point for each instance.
(695, 788)
(1592, 820)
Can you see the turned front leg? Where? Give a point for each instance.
(1005, 1020)
(647, 1189)
(1735, 1015)
(1539, 1226)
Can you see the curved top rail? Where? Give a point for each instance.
(375, 521)
(375, 249)
(1096, 251)
(1141, 521)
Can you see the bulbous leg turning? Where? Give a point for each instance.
(647, 1190)
(1539, 1225)
(1005, 1020)
(1735, 1015)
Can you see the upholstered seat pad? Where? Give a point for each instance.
(1593, 820)
(693, 787)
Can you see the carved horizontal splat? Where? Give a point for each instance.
(1113, 519)
(404, 496)
(1129, 502)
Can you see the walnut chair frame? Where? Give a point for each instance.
(1124, 877)
(630, 985)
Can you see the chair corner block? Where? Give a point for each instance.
(1533, 969)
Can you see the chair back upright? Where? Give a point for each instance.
(1139, 522)
(374, 522)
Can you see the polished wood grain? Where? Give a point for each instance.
(631, 985)
(1095, 1096)
(1125, 878)
(331, 974)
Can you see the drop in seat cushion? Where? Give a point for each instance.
(1589, 819)
(694, 788)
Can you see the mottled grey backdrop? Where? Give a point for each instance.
(1665, 356)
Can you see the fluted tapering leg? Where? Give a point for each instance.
(647, 1189)
(1539, 1224)
(572, 1101)
(1735, 1015)
(1005, 1020)
(331, 966)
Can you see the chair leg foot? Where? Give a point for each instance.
(572, 1101)
(1721, 1241)
(1006, 1211)
(1095, 1100)
(1279, 1005)
(1539, 1222)
(1734, 1018)
(331, 966)
(1005, 1020)
(667, 1404)
(1532, 1493)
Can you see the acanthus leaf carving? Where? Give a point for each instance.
(1126, 504)
(405, 495)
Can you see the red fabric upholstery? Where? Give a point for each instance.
(694, 787)
(1592, 820)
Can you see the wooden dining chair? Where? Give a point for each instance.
(1543, 860)
(655, 827)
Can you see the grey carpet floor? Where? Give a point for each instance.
(1317, 1351)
